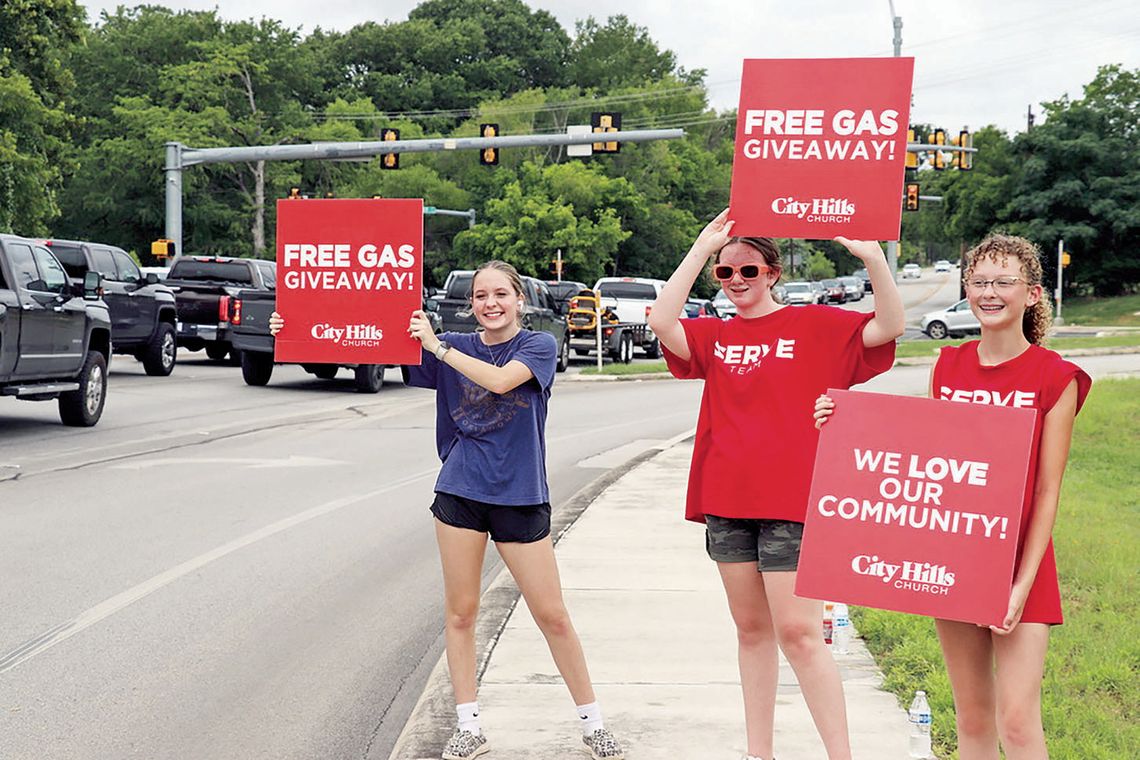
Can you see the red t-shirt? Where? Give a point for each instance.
(756, 438)
(1035, 379)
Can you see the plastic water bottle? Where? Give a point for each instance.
(841, 629)
(828, 621)
(920, 726)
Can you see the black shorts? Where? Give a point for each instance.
(774, 545)
(506, 524)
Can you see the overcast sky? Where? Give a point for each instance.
(977, 62)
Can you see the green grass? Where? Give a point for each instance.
(1121, 310)
(627, 369)
(1091, 694)
(922, 347)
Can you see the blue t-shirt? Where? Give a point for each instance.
(493, 446)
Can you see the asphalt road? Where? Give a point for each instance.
(218, 571)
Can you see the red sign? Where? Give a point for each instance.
(916, 505)
(349, 276)
(820, 148)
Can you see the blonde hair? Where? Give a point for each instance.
(1000, 248)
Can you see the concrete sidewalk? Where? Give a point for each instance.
(649, 607)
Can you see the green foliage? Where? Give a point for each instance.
(618, 53)
(562, 206)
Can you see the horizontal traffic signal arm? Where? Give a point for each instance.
(194, 156)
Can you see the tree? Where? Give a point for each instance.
(564, 206)
(1080, 181)
(616, 54)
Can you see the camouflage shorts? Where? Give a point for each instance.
(774, 545)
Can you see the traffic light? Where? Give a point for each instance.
(390, 160)
(556, 269)
(911, 158)
(912, 196)
(1065, 259)
(963, 160)
(162, 248)
(294, 193)
(939, 139)
(489, 156)
(602, 123)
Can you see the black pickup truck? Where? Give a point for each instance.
(142, 310)
(250, 336)
(55, 336)
(205, 288)
(541, 311)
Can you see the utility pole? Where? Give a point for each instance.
(1060, 269)
(893, 245)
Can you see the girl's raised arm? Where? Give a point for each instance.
(665, 317)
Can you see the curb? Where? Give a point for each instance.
(432, 719)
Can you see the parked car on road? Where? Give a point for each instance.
(836, 292)
(699, 307)
(853, 287)
(251, 338)
(819, 291)
(911, 271)
(951, 322)
(142, 310)
(799, 293)
(55, 336)
(562, 291)
(724, 307)
(204, 288)
(942, 265)
(865, 278)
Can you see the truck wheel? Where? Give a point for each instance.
(256, 367)
(84, 407)
(626, 348)
(217, 351)
(653, 349)
(563, 356)
(161, 352)
(369, 378)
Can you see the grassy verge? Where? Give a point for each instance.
(913, 348)
(1121, 310)
(1091, 695)
(627, 369)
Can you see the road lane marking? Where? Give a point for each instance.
(60, 633)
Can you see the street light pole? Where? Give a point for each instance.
(892, 245)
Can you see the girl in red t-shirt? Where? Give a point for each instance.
(753, 453)
(996, 672)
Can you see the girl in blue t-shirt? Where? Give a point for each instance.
(492, 389)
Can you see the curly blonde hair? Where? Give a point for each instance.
(1000, 248)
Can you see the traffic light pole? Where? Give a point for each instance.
(179, 156)
(1060, 278)
(893, 245)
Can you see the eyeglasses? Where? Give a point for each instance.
(747, 271)
(1001, 284)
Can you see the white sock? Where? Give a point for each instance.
(590, 717)
(468, 713)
